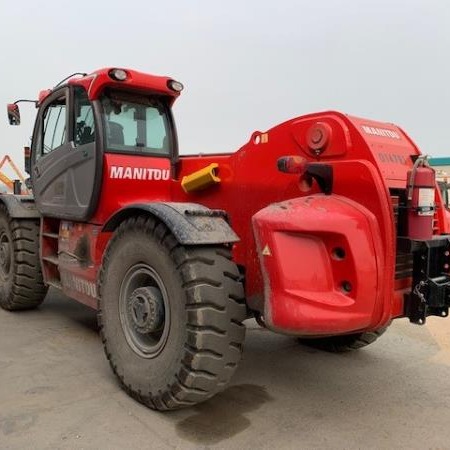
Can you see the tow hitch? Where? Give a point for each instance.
(430, 293)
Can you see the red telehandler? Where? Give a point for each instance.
(326, 227)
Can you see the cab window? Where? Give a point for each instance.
(54, 126)
(136, 124)
(84, 129)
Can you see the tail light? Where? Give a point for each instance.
(322, 173)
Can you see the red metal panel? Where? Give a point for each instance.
(129, 179)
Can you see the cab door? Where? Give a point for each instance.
(66, 168)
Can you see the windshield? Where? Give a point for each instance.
(136, 124)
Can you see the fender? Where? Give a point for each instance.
(190, 223)
(20, 206)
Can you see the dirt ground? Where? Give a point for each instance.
(57, 392)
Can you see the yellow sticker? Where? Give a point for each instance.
(266, 251)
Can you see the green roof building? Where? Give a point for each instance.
(441, 165)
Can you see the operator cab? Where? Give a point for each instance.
(80, 123)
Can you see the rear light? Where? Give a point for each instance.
(118, 74)
(292, 164)
(322, 173)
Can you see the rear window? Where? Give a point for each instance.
(136, 124)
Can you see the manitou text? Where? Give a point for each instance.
(139, 173)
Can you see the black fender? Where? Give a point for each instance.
(20, 206)
(190, 223)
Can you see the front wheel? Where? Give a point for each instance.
(344, 343)
(21, 283)
(170, 315)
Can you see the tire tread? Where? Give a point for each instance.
(344, 343)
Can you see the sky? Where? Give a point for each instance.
(246, 65)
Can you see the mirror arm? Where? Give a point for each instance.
(27, 101)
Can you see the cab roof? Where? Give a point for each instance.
(97, 81)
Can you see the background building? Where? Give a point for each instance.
(442, 166)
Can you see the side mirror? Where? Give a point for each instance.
(27, 159)
(13, 114)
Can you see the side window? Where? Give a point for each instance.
(54, 126)
(84, 130)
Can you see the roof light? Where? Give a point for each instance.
(118, 74)
(175, 85)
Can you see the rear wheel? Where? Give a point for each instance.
(21, 283)
(344, 343)
(170, 315)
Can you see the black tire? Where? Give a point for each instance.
(193, 353)
(21, 283)
(344, 343)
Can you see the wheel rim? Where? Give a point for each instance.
(144, 310)
(5, 255)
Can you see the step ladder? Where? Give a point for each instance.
(49, 252)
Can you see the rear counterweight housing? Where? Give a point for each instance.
(319, 279)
